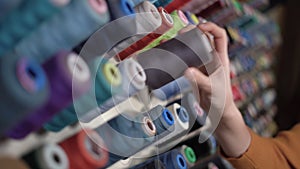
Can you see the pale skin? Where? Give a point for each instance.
(231, 133)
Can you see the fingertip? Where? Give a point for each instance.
(189, 73)
(202, 25)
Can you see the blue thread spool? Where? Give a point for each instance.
(23, 87)
(180, 114)
(163, 120)
(173, 88)
(119, 8)
(64, 70)
(50, 156)
(162, 3)
(174, 159)
(197, 115)
(136, 2)
(90, 15)
(27, 17)
(124, 136)
(107, 83)
(151, 164)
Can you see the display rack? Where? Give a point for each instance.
(251, 53)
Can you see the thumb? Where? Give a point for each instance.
(197, 78)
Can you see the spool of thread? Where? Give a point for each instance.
(151, 164)
(120, 8)
(204, 149)
(23, 87)
(124, 136)
(173, 159)
(180, 114)
(49, 156)
(163, 120)
(90, 15)
(188, 154)
(176, 4)
(180, 85)
(6, 6)
(85, 150)
(162, 3)
(107, 83)
(179, 20)
(64, 71)
(191, 49)
(192, 18)
(166, 24)
(197, 114)
(12, 163)
(27, 17)
(133, 80)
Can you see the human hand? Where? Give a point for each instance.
(231, 130)
(201, 81)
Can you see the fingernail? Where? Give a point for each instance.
(189, 74)
(202, 25)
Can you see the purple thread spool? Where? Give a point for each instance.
(61, 70)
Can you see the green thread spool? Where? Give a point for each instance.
(179, 22)
(189, 155)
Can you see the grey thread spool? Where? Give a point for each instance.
(50, 156)
(163, 120)
(133, 80)
(125, 136)
(169, 60)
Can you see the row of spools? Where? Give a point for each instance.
(68, 87)
(81, 151)
(43, 91)
(47, 86)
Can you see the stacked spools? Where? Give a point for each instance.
(43, 86)
(64, 71)
(24, 86)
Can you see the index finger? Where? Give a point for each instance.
(219, 34)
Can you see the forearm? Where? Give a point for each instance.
(232, 133)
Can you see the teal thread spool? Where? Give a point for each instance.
(162, 3)
(23, 88)
(107, 82)
(25, 18)
(179, 20)
(6, 6)
(126, 135)
(72, 25)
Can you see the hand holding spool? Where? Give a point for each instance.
(191, 49)
(217, 98)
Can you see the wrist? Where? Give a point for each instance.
(230, 111)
